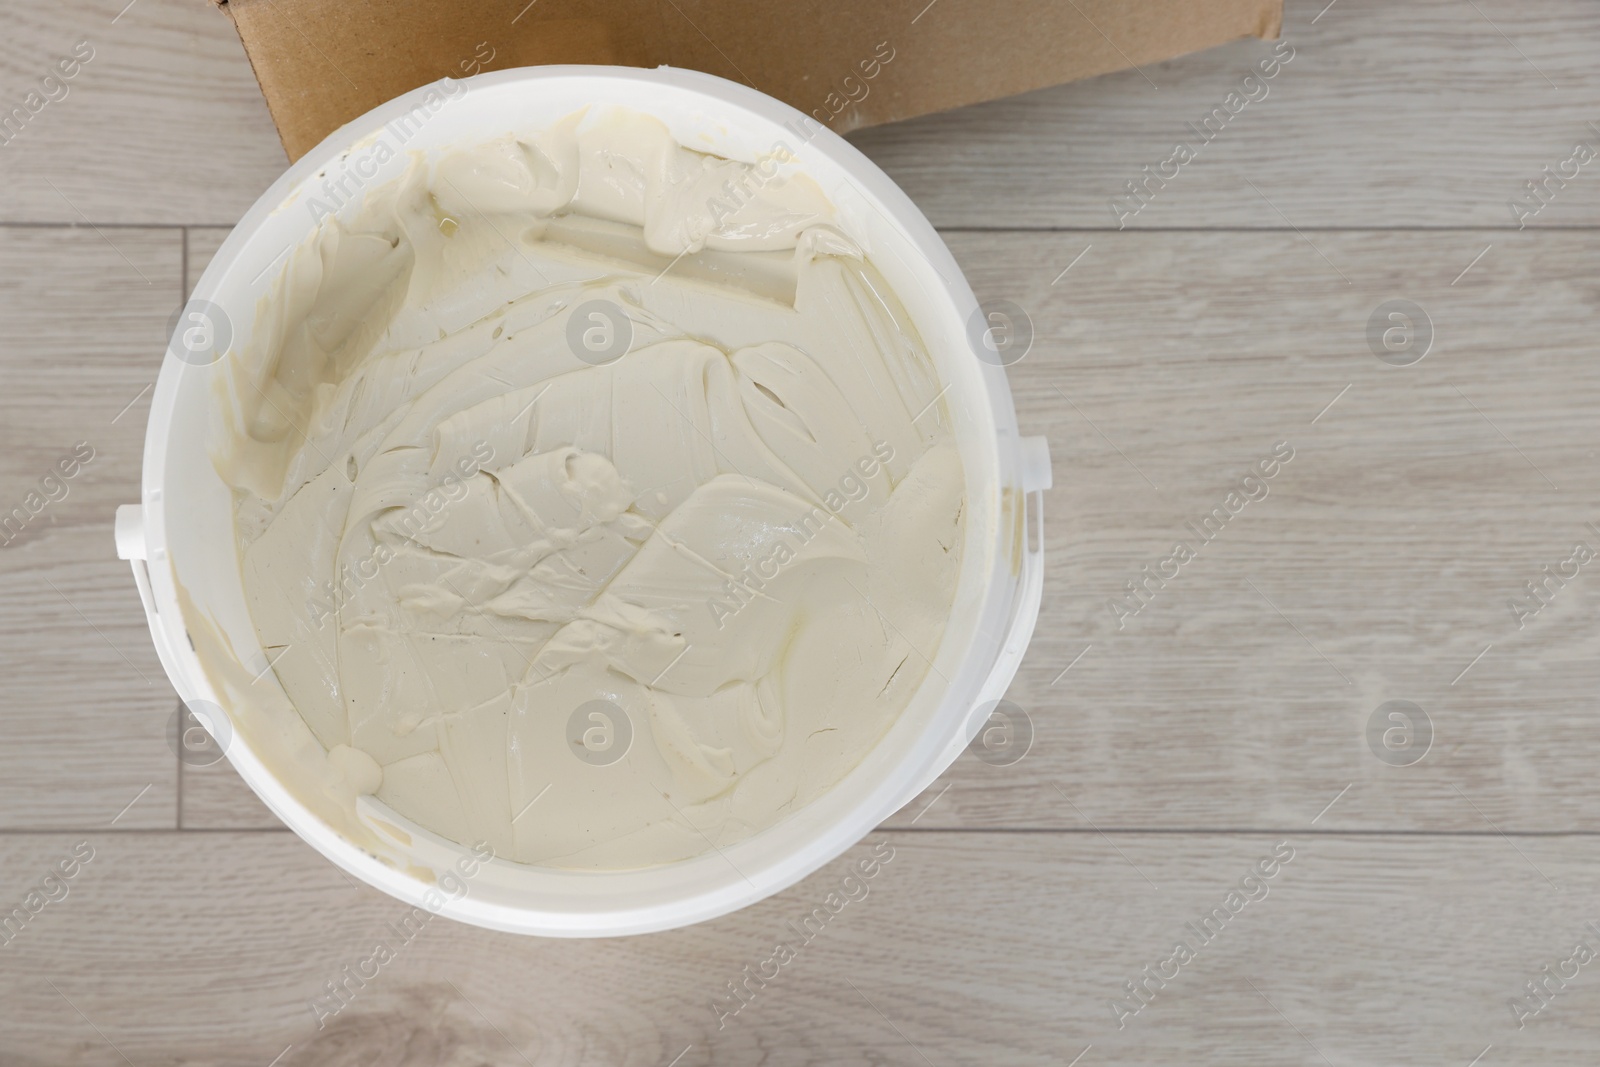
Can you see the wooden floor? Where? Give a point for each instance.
(1174, 749)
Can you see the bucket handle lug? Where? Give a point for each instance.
(131, 546)
(1035, 478)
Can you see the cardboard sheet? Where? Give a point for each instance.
(321, 63)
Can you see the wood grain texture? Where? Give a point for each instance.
(82, 320)
(964, 948)
(1416, 508)
(1389, 115)
(201, 243)
(164, 124)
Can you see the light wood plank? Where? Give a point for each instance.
(1391, 543)
(203, 242)
(188, 949)
(83, 318)
(164, 124)
(1416, 114)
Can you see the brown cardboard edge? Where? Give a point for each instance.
(1268, 27)
(277, 127)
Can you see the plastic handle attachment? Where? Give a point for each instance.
(1034, 477)
(130, 532)
(131, 547)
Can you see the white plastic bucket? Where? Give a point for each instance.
(182, 530)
